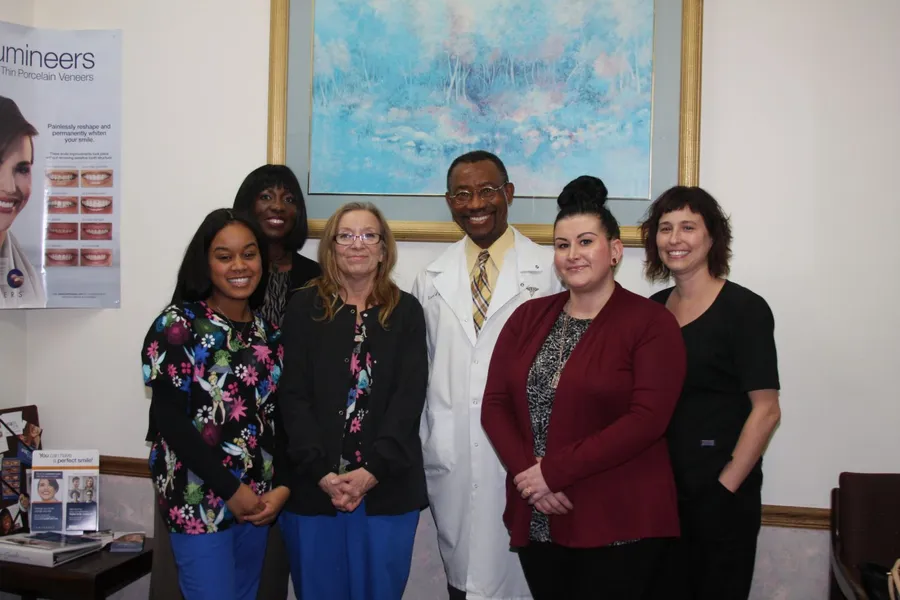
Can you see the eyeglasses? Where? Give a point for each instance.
(368, 238)
(486, 193)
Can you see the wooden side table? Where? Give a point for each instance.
(91, 577)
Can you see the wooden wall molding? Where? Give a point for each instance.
(798, 517)
(124, 466)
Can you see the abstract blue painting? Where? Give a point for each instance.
(556, 88)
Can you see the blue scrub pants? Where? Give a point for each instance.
(352, 556)
(225, 565)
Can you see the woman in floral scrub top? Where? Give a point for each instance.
(214, 366)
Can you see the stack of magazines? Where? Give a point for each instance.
(47, 548)
(51, 548)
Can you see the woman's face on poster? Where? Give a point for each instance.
(6, 523)
(15, 180)
(45, 490)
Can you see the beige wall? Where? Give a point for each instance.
(194, 122)
(799, 143)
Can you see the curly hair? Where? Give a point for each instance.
(700, 202)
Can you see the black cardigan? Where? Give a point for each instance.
(312, 397)
(302, 270)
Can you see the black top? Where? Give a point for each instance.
(312, 397)
(302, 270)
(283, 284)
(730, 352)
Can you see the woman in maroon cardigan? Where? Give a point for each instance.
(590, 492)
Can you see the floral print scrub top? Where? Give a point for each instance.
(357, 400)
(225, 374)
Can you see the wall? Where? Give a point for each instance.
(794, 140)
(798, 141)
(13, 350)
(194, 110)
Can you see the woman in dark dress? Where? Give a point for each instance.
(729, 405)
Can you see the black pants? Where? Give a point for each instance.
(554, 572)
(715, 556)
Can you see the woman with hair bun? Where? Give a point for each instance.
(590, 491)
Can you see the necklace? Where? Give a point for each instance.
(560, 363)
(242, 331)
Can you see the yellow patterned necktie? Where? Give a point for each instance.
(481, 291)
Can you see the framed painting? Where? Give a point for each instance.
(372, 99)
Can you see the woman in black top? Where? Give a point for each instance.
(352, 394)
(729, 406)
(272, 194)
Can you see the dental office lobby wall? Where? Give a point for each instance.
(798, 140)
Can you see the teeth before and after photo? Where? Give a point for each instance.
(86, 205)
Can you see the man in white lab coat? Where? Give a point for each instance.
(468, 293)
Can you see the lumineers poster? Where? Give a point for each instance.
(60, 167)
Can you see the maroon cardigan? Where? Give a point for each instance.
(605, 444)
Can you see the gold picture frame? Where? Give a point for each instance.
(448, 231)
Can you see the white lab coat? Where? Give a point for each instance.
(31, 293)
(466, 481)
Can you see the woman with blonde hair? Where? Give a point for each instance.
(351, 396)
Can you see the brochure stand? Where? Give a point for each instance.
(20, 436)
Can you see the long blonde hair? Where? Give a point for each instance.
(385, 292)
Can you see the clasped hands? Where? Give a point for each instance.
(532, 487)
(348, 490)
(245, 505)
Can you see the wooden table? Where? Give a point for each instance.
(90, 577)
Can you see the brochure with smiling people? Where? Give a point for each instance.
(65, 491)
